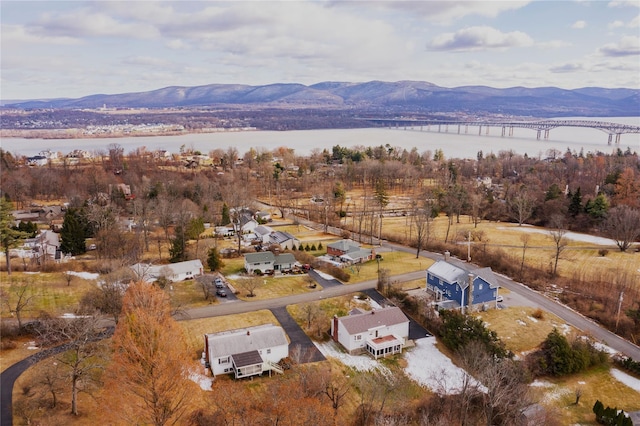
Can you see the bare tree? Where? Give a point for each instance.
(250, 284)
(17, 298)
(521, 205)
(558, 233)
(623, 225)
(106, 297)
(85, 355)
(421, 217)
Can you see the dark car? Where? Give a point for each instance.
(220, 292)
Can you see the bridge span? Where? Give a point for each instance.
(542, 127)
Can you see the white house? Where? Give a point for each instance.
(246, 352)
(173, 272)
(380, 332)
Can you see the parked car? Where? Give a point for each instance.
(499, 299)
(220, 292)
(218, 282)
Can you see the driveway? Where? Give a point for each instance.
(308, 351)
(324, 282)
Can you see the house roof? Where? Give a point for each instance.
(264, 256)
(187, 266)
(345, 246)
(152, 272)
(263, 230)
(449, 273)
(279, 237)
(247, 358)
(355, 324)
(454, 274)
(243, 340)
(285, 258)
(356, 254)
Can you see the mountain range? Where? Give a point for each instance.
(388, 97)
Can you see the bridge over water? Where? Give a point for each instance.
(542, 127)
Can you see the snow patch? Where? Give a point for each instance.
(519, 321)
(84, 275)
(357, 362)
(532, 319)
(325, 275)
(628, 380)
(431, 368)
(205, 382)
(585, 238)
(32, 346)
(541, 384)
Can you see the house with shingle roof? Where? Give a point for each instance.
(349, 251)
(380, 332)
(246, 352)
(461, 287)
(266, 262)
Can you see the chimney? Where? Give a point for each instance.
(470, 288)
(447, 255)
(373, 312)
(248, 333)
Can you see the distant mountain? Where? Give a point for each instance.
(401, 96)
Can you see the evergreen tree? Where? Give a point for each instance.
(178, 249)
(226, 216)
(598, 207)
(213, 260)
(9, 237)
(575, 205)
(73, 233)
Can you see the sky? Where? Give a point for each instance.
(51, 49)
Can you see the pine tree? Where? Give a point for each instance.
(213, 260)
(178, 249)
(73, 233)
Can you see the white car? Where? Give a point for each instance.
(499, 299)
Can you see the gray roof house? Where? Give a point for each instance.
(285, 240)
(267, 261)
(348, 251)
(246, 352)
(380, 332)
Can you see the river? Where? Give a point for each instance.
(303, 142)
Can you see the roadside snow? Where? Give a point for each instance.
(431, 368)
(628, 380)
(84, 275)
(586, 238)
(325, 275)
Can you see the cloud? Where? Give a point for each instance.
(615, 24)
(177, 44)
(634, 23)
(624, 3)
(569, 67)
(145, 61)
(578, 25)
(83, 22)
(13, 35)
(627, 46)
(479, 38)
(445, 12)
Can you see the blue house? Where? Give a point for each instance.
(455, 287)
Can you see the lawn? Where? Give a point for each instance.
(396, 262)
(274, 286)
(518, 327)
(194, 330)
(48, 291)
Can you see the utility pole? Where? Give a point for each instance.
(469, 247)
(619, 307)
